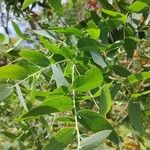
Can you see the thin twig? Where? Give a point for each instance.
(75, 111)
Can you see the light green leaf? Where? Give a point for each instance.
(26, 3)
(138, 6)
(2, 38)
(5, 91)
(94, 32)
(50, 35)
(116, 15)
(17, 29)
(13, 72)
(61, 103)
(91, 80)
(61, 139)
(88, 44)
(58, 76)
(136, 95)
(134, 112)
(94, 122)
(95, 139)
(21, 98)
(56, 4)
(105, 101)
(98, 59)
(51, 104)
(35, 57)
(134, 78)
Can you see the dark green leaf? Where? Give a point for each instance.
(105, 101)
(123, 72)
(91, 80)
(88, 44)
(56, 4)
(129, 45)
(61, 139)
(105, 4)
(35, 57)
(96, 123)
(134, 112)
(13, 72)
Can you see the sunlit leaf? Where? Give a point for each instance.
(35, 57)
(13, 72)
(26, 3)
(91, 80)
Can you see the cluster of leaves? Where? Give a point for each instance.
(69, 84)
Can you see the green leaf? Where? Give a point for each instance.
(134, 78)
(91, 80)
(136, 95)
(17, 29)
(58, 76)
(38, 111)
(116, 15)
(50, 46)
(98, 59)
(134, 112)
(138, 6)
(13, 72)
(105, 101)
(5, 91)
(35, 57)
(130, 45)
(94, 122)
(94, 32)
(2, 38)
(123, 72)
(56, 4)
(26, 3)
(95, 139)
(88, 44)
(69, 30)
(105, 4)
(61, 139)
(147, 111)
(21, 98)
(50, 35)
(61, 103)
(51, 104)
(8, 134)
